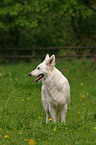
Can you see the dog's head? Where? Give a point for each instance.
(43, 68)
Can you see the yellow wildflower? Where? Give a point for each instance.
(39, 117)
(32, 142)
(81, 84)
(20, 133)
(94, 127)
(54, 129)
(6, 136)
(50, 119)
(25, 139)
(0, 74)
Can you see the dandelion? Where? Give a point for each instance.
(26, 113)
(94, 127)
(6, 136)
(22, 100)
(69, 108)
(20, 133)
(12, 140)
(81, 84)
(50, 119)
(65, 133)
(0, 74)
(54, 129)
(1, 68)
(26, 140)
(80, 99)
(39, 117)
(28, 98)
(1, 109)
(32, 142)
(36, 99)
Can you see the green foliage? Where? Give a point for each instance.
(45, 23)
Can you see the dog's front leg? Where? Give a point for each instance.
(45, 104)
(63, 113)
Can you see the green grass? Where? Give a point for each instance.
(22, 116)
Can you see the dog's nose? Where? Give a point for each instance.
(29, 74)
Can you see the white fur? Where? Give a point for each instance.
(55, 89)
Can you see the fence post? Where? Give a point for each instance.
(15, 53)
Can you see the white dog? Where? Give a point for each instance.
(55, 89)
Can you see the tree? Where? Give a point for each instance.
(25, 23)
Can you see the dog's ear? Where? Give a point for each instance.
(47, 57)
(51, 60)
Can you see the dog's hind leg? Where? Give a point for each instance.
(63, 113)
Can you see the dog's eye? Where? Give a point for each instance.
(38, 67)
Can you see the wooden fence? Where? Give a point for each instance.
(70, 51)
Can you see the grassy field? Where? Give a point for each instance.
(22, 117)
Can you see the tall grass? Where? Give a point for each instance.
(22, 117)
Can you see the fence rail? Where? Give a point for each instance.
(50, 48)
(33, 52)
